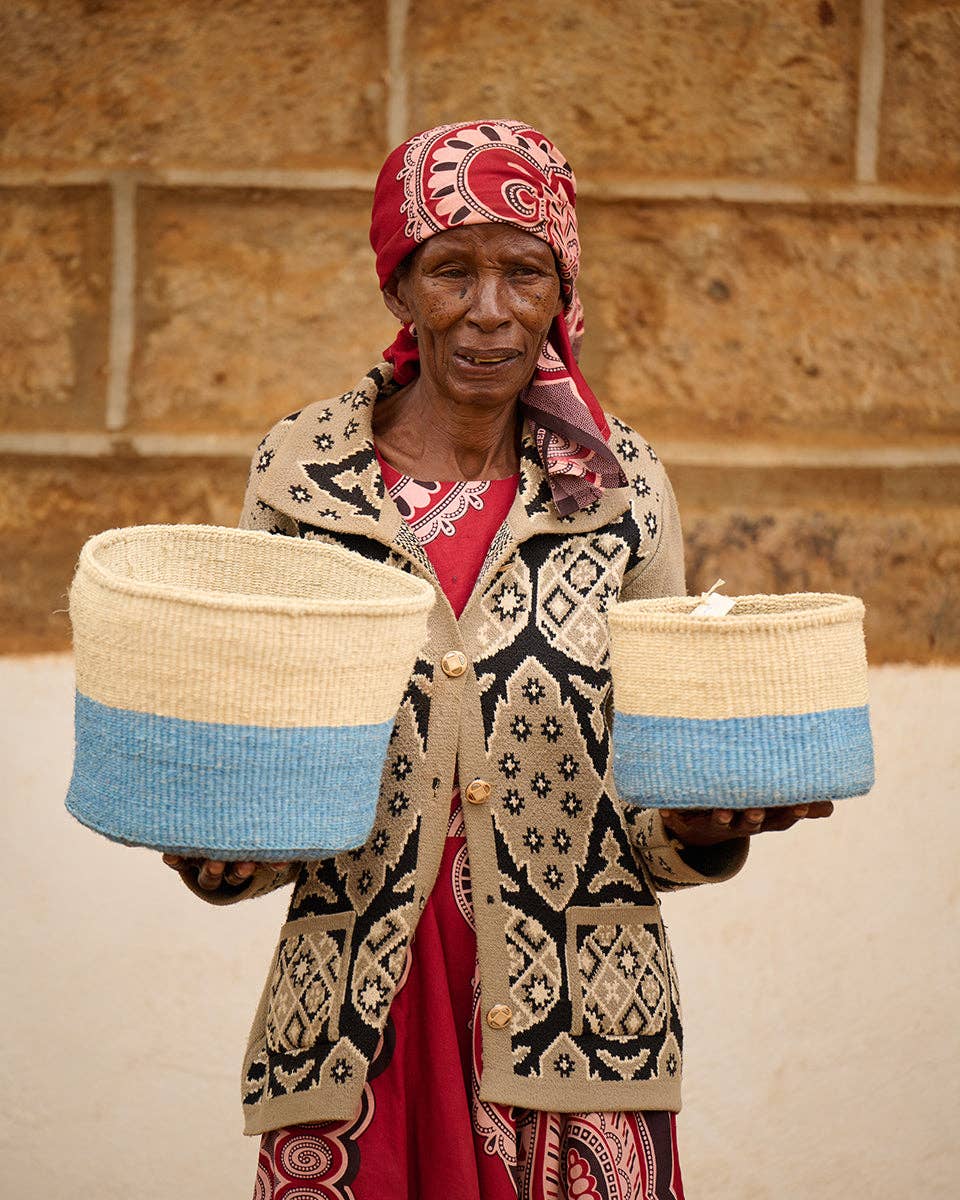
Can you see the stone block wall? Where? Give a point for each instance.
(771, 230)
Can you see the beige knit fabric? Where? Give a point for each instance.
(564, 875)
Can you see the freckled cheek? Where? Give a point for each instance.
(537, 309)
(536, 320)
(440, 316)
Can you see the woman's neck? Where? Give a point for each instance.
(422, 436)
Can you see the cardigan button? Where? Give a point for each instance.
(454, 664)
(499, 1016)
(478, 792)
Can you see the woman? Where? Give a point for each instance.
(481, 1002)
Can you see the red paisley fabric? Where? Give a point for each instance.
(451, 521)
(422, 1131)
(478, 172)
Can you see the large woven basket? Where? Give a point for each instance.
(765, 706)
(236, 690)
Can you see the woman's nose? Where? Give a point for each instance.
(488, 307)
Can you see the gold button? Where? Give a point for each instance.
(478, 792)
(499, 1015)
(454, 663)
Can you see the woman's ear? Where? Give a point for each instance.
(393, 300)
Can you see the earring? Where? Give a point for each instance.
(413, 330)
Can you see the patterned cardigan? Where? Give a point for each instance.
(578, 989)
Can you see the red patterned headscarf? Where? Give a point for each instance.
(502, 171)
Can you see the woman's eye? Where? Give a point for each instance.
(450, 273)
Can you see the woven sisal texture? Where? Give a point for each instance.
(236, 691)
(762, 707)
(225, 791)
(242, 627)
(796, 653)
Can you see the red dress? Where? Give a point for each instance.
(422, 1132)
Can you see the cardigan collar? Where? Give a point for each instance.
(325, 474)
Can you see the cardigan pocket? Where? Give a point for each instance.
(617, 967)
(307, 982)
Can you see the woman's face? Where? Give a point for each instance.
(482, 299)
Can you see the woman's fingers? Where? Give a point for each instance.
(212, 872)
(702, 826)
(210, 875)
(778, 819)
(783, 818)
(238, 872)
(726, 822)
(706, 827)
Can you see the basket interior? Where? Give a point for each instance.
(223, 562)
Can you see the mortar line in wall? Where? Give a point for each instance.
(397, 13)
(53, 177)
(682, 453)
(733, 191)
(280, 178)
(870, 89)
(69, 445)
(336, 179)
(200, 445)
(81, 444)
(123, 255)
(743, 191)
(676, 453)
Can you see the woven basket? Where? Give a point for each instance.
(765, 706)
(236, 691)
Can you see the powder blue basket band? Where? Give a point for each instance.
(236, 691)
(761, 706)
(224, 791)
(743, 762)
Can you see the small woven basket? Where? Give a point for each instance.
(236, 690)
(765, 706)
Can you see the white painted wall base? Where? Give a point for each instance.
(820, 987)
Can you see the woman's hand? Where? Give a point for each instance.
(210, 873)
(710, 827)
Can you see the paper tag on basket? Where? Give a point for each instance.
(712, 604)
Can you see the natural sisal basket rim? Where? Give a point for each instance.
(420, 593)
(750, 614)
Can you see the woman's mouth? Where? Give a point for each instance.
(486, 358)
